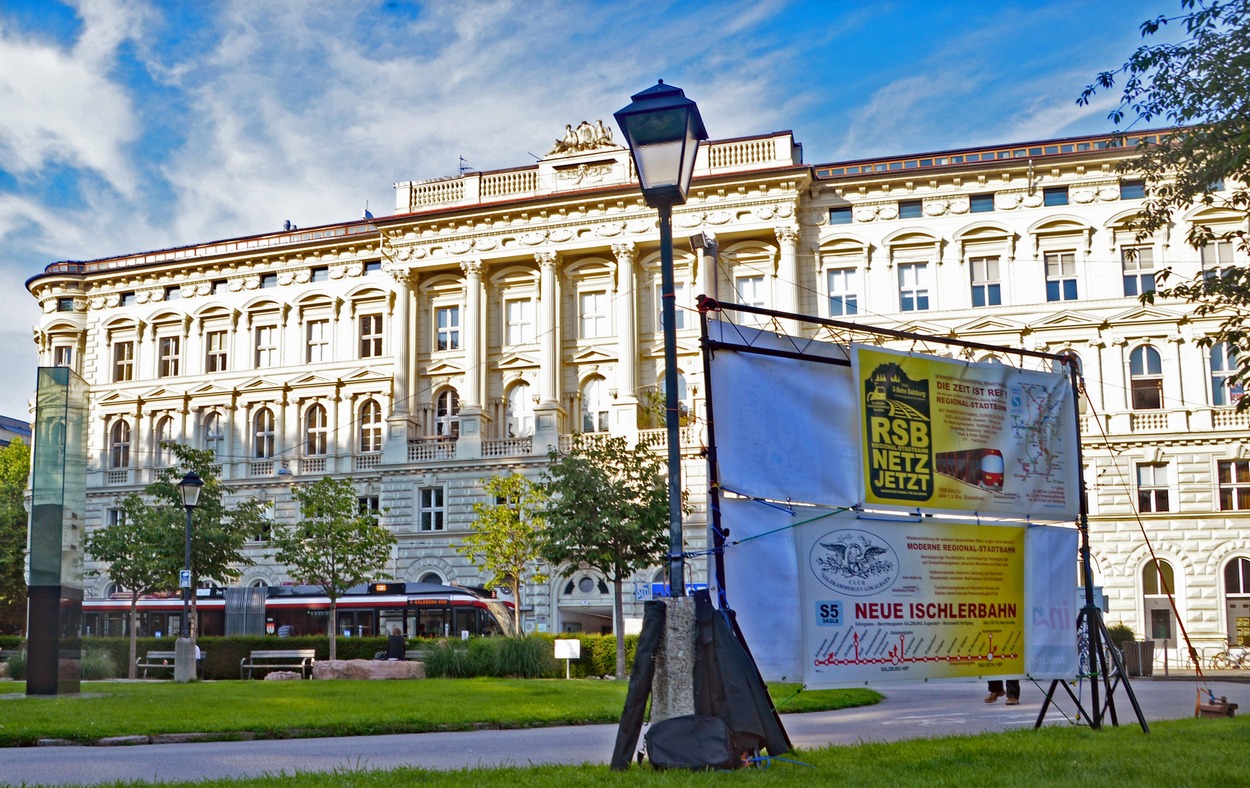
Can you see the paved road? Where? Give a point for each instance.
(910, 710)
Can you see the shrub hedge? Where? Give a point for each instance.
(480, 657)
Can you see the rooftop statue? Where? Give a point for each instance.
(583, 138)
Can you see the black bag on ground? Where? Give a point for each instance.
(691, 742)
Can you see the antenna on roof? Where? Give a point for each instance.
(464, 166)
(367, 215)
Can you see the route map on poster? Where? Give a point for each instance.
(911, 601)
(966, 437)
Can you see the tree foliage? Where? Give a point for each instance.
(507, 536)
(608, 511)
(334, 545)
(14, 473)
(1199, 89)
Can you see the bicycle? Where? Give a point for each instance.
(1231, 659)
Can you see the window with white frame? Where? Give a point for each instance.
(370, 427)
(518, 321)
(114, 516)
(1234, 485)
(169, 356)
(431, 509)
(447, 414)
(1224, 388)
(317, 341)
(214, 437)
(1139, 270)
(596, 406)
(1217, 258)
(679, 304)
(520, 415)
(1152, 487)
(216, 355)
(268, 513)
(1061, 276)
(266, 347)
(316, 431)
(913, 287)
(447, 328)
(119, 444)
(263, 434)
(164, 441)
(63, 356)
(750, 289)
(123, 361)
(843, 291)
(369, 505)
(986, 283)
(370, 336)
(1146, 378)
(592, 314)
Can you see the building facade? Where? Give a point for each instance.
(495, 314)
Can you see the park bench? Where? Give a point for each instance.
(162, 660)
(300, 659)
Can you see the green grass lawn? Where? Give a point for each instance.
(335, 708)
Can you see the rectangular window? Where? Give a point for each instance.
(63, 356)
(65, 305)
(1061, 276)
(593, 314)
(981, 203)
(986, 285)
(1132, 190)
(447, 328)
(128, 299)
(910, 209)
(751, 292)
(318, 341)
(519, 319)
(368, 504)
(114, 517)
(840, 215)
(1224, 388)
(320, 273)
(1217, 258)
(431, 509)
(268, 280)
(220, 287)
(370, 336)
(679, 300)
(266, 347)
(1055, 195)
(913, 287)
(168, 355)
(173, 293)
(843, 292)
(373, 267)
(1139, 270)
(1152, 487)
(123, 361)
(1234, 477)
(215, 355)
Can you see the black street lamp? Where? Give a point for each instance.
(184, 655)
(663, 129)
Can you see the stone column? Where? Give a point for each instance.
(472, 419)
(400, 330)
(625, 403)
(788, 272)
(547, 412)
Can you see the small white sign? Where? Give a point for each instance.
(184, 578)
(568, 649)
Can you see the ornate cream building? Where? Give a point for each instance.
(494, 314)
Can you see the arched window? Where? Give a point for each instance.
(1146, 378)
(263, 443)
(1237, 600)
(683, 400)
(213, 436)
(447, 414)
(1223, 367)
(164, 440)
(595, 405)
(119, 445)
(258, 583)
(520, 416)
(431, 577)
(370, 426)
(1157, 580)
(316, 431)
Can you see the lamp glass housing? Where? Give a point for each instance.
(663, 129)
(190, 487)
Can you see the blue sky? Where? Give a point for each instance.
(128, 125)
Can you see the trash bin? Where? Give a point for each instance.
(1147, 657)
(1130, 651)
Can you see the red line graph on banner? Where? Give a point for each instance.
(897, 656)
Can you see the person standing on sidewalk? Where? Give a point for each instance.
(1012, 692)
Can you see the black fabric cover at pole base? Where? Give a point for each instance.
(640, 680)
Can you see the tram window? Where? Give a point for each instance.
(465, 621)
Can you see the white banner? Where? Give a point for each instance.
(1049, 580)
(785, 428)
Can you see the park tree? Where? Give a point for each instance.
(1198, 89)
(607, 510)
(14, 473)
(507, 536)
(334, 545)
(218, 531)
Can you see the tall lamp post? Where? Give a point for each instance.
(663, 129)
(184, 648)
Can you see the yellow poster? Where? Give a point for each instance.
(961, 436)
(911, 601)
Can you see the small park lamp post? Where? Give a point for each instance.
(184, 652)
(663, 129)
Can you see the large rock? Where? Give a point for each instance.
(284, 675)
(367, 669)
